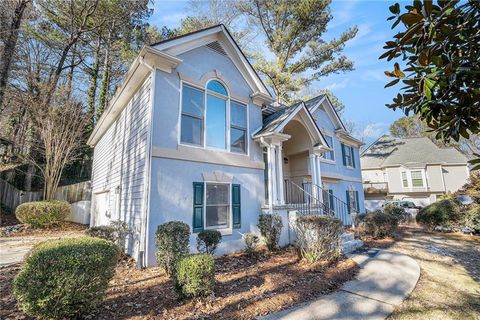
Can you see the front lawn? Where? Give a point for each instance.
(449, 285)
(245, 288)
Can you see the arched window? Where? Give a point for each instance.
(210, 118)
(216, 115)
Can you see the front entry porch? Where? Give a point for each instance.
(293, 179)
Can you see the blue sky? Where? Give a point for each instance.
(361, 90)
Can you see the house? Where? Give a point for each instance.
(192, 135)
(412, 169)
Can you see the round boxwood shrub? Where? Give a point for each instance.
(42, 214)
(270, 226)
(441, 213)
(117, 232)
(251, 242)
(318, 237)
(397, 212)
(172, 239)
(65, 278)
(195, 276)
(208, 240)
(376, 224)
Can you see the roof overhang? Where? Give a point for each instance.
(147, 60)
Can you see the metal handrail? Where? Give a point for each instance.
(303, 201)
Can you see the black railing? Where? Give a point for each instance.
(336, 207)
(303, 201)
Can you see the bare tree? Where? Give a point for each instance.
(60, 128)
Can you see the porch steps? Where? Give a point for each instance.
(349, 243)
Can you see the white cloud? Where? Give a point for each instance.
(338, 85)
(373, 74)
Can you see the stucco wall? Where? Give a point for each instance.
(172, 198)
(455, 177)
(373, 175)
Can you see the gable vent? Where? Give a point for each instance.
(217, 47)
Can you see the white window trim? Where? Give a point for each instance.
(351, 148)
(410, 186)
(228, 122)
(223, 231)
(333, 151)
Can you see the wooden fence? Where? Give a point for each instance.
(11, 197)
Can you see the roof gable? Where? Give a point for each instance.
(391, 151)
(323, 100)
(219, 39)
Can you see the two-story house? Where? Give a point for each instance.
(192, 135)
(411, 169)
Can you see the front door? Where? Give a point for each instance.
(101, 206)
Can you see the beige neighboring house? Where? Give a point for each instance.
(412, 169)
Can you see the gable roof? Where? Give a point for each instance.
(314, 103)
(219, 33)
(278, 120)
(408, 152)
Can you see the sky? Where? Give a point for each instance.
(362, 90)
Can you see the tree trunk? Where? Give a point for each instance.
(105, 85)
(92, 90)
(9, 47)
(70, 72)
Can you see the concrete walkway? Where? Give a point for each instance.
(385, 279)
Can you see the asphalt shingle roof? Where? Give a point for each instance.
(391, 151)
(274, 120)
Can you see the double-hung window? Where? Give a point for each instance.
(404, 179)
(348, 156)
(329, 155)
(192, 116)
(206, 115)
(217, 206)
(417, 178)
(238, 127)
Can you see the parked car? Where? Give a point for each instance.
(410, 207)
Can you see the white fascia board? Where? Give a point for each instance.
(140, 68)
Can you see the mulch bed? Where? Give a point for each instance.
(19, 230)
(246, 287)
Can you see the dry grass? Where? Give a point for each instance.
(449, 286)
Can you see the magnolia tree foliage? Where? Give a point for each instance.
(440, 45)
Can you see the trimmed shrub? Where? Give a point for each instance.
(251, 243)
(42, 214)
(208, 240)
(376, 224)
(397, 212)
(172, 240)
(270, 226)
(318, 238)
(195, 276)
(116, 232)
(441, 213)
(65, 278)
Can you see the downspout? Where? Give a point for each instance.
(142, 252)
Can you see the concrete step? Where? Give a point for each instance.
(350, 246)
(347, 236)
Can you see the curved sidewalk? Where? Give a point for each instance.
(385, 279)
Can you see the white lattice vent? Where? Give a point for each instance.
(217, 47)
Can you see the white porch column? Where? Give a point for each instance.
(272, 176)
(313, 168)
(281, 196)
(319, 176)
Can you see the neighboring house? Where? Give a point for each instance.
(192, 135)
(412, 169)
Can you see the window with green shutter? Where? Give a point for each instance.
(236, 206)
(197, 225)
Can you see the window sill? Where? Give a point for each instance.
(328, 161)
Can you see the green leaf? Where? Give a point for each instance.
(395, 9)
(392, 83)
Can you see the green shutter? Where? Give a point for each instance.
(343, 155)
(236, 204)
(197, 206)
(348, 201)
(353, 157)
(358, 203)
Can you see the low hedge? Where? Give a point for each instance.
(65, 278)
(117, 232)
(195, 276)
(42, 214)
(443, 213)
(376, 224)
(397, 212)
(270, 226)
(208, 240)
(318, 237)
